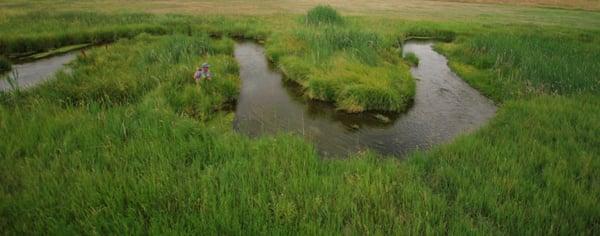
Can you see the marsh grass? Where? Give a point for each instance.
(323, 15)
(124, 72)
(514, 65)
(355, 68)
(532, 154)
(105, 142)
(356, 87)
(56, 30)
(412, 59)
(420, 32)
(126, 144)
(202, 101)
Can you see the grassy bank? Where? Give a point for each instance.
(55, 30)
(527, 63)
(128, 144)
(338, 61)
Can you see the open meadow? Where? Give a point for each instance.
(126, 142)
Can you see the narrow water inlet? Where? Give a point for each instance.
(32, 73)
(444, 107)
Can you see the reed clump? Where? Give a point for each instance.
(323, 15)
(412, 59)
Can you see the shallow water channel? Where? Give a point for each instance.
(32, 73)
(444, 107)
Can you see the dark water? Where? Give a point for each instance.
(444, 107)
(32, 73)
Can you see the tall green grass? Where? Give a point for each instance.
(356, 87)
(128, 144)
(323, 15)
(145, 167)
(54, 30)
(20, 37)
(412, 59)
(212, 180)
(325, 41)
(124, 72)
(420, 32)
(533, 163)
(355, 68)
(518, 64)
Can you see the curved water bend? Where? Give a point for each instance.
(32, 73)
(444, 107)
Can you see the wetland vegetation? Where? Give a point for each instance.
(126, 143)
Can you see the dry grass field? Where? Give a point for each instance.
(543, 12)
(574, 4)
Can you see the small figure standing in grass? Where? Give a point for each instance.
(198, 75)
(203, 73)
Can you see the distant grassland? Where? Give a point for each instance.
(127, 143)
(575, 4)
(439, 11)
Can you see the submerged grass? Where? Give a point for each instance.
(128, 144)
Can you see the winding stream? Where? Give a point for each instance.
(32, 73)
(444, 107)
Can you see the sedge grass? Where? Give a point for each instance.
(412, 59)
(354, 68)
(323, 14)
(505, 66)
(126, 144)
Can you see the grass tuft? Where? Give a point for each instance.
(323, 15)
(412, 59)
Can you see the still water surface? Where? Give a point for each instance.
(444, 107)
(32, 73)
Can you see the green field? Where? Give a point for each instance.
(127, 143)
